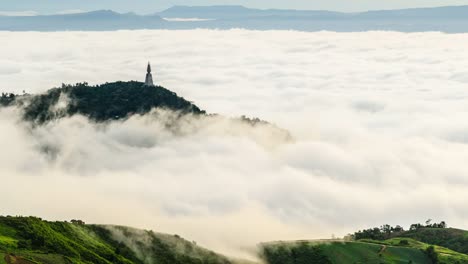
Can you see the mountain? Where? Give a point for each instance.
(31, 240)
(450, 19)
(231, 12)
(96, 20)
(109, 101)
(447, 12)
(223, 12)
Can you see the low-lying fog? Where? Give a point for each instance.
(380, 122)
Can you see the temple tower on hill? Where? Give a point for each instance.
(149, 76)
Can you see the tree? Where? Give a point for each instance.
(428, 222)
(398, 228)
(432, 255)
(415, 227)
(442, 224)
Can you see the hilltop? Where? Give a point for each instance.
(109, 101)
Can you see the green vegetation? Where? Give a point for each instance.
(7, 99)
(33, 240)
(427, 234)
(334, 252)
(422, 244)
(388, 231)
(102, 102)
(451, 238)
(365, 251)
(296, 253)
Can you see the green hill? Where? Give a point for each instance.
(31, 240)
(366, 251)
(113, 101)
(100, 103)
(338, 252)
(27, 240)
(455, 239)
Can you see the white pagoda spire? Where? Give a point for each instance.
(149, 77)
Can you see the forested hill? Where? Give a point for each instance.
(31, 240)
(104, 102)
(421, 244)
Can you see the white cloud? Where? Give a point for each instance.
(379, 120)
(18, 13)
(69, 11)
(194, 19)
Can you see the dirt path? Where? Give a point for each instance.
(382, 250)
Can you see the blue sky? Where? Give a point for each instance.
(150, 6)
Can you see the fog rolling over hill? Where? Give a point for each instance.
(452, 19)
(378, 121)
(31, 240)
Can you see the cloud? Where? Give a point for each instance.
(69, 11)
(378, 118)
(18, 13)
(194, 19)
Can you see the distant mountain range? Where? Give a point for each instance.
(452, 19)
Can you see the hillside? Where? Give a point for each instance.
(104, 102)
(432, 243)
(336, 252)
(454, 239)
(30, 240)
(392, 251)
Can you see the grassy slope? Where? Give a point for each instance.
(359, 252)
(445, 255)
(345, 252)
(38, 241)
(455, 239)
(365, 251)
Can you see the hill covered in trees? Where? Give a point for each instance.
(431, 233)
(104, 102)
(31, 240)
(421, 244)
(119, 101)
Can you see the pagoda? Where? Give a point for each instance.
(149, 76)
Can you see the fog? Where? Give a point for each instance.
(379, 121)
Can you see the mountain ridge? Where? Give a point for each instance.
(448, 19)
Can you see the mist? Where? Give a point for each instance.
(378, 121)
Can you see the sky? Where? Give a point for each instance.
(378, 121)
(151, 6)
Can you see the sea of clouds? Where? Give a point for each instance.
(379, 120)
